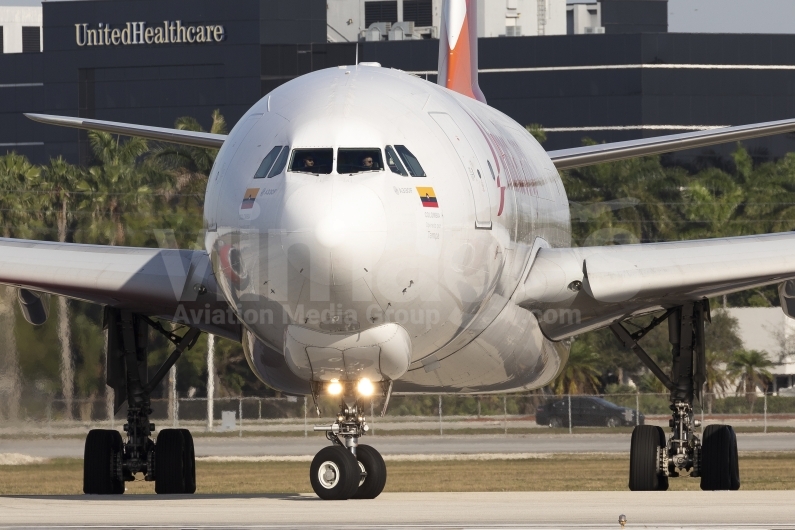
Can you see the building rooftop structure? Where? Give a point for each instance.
(769, 330)
(605, 70)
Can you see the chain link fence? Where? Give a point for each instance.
(425, 414)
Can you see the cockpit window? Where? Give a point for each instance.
(278, 166)
(412, 164)
(267, 162)
(316, 161)
(394, 162)
(359, 160)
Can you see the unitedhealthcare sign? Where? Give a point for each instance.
(170, 32)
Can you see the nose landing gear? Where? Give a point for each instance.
(347, 470)
(653, 459)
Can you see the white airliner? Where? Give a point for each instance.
(367, 230)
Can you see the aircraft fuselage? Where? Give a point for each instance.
(342, 267)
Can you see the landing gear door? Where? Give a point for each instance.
(477, 183)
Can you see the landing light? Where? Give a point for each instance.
(334, 388)
(365, 387)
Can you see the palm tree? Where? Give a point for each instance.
(751, 370)
(190, 167)
(581, 373)
(61, 182)
(10, 373)
(770, 194)
(17, 175)
(17, 205)
(717, 379)
(648, 383)
(710, 205)
(188, 159)
(120, 188)
(537, 131)
(722, 340)
(651, 187)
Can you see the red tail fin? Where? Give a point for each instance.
(458, 48)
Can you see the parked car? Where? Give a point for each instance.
(585, 411)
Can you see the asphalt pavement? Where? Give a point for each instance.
(503, 510)
(251, 446)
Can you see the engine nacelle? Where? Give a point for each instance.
(34, 306)
(786, 294)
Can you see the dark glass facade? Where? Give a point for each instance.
(151, 84)
(608, 87)
(634, 16)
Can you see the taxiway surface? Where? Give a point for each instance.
(399, 445)
(769, 509)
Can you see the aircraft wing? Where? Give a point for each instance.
(175, 285)
(596, 154)
(177, 136)
(573, 290)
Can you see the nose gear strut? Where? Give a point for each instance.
(368, 477)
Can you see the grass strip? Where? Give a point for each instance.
(589, 472)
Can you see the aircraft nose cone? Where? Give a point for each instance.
(335, 232)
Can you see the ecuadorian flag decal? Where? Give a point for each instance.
(428, 197)
(249, 198)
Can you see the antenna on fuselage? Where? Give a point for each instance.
(458, 48)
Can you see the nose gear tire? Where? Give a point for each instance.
(719, 461)
(100, 474)
(644, 474)
(334, 473)
(375, 467)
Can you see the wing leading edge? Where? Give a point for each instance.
(573, 290)
(177, 136)
(597, 154)
(176, 285)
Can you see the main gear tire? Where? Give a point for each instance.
(644, 474)
(188, 462)
(720, 468)
(102, 463)
(335, 473)
(170, 456)
(375, 467)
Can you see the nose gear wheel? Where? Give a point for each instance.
(347, 470)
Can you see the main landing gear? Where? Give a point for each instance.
(653, 459)
(346, 469)
(109, 461)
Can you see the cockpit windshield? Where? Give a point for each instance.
(270, 169)
(359, 160)
(412, 164)
(317, 161)
(394, 162)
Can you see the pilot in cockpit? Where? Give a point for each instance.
(367, 163)
(309, 161)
